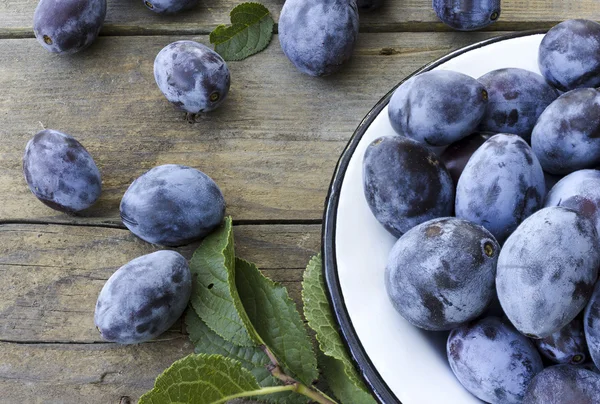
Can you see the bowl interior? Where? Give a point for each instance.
(411, 362)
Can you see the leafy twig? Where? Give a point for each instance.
(299, 388)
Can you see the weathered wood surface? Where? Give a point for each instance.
(131, 17)
(272, 146)
(50, 277)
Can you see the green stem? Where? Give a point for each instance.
(260, 392)
(317, 396)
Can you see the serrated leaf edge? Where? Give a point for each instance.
(237, 303)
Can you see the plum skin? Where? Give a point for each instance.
(566, 345)
(501, 185)
(564, 384)
(192, 76)
(476, 14)
(440, 274)
(68, 26)
(405, 184)
(566, 136)
(172, 205)
(516, 99)
(169, 6)
(569, 55)
(492, 360)
(437, 107)
(143, 298)
(60, 172)
(318, 36)
(552, 258)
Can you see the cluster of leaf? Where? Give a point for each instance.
(250, 340)
(250, 32)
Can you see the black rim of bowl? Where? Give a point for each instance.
(364, 365)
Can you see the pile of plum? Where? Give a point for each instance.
(464, 187)
(170, 205)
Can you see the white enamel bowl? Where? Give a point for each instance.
(399, 362)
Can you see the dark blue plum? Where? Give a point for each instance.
(192, 76)
(566, 345)
(564, 384)
(369, 5)
(143, 298)
(467, 15)
(579, 191)
(60, 172)
(569, 55)
(566, 137)
(438, 107)
(68, 26)
(440, 274)
(591, 324)
(516, 99)
(172, 205)
(457, 155)
(501, 185)
(405, 184)
(318, 36)
(547, 270)
(169, 6)
(493, 361)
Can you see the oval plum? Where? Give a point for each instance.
(566, 137)
(564, 384)
(143, 298)
(68, 26)
(566, 345)
(172, 205)
(547, 269)
(405, 184)
(60, 172)
(516, 99)
(501, 185)
(569, 55)
(438, 107)
(492, 360)
(318, 36)
(192, 76)
(467, 15)
(440, 274)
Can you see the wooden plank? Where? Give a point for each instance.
(84, 373)
(272, 146)
(50, 275)
(132, 18)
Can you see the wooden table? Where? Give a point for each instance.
(271, 147)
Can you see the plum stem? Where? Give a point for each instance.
(276, 371)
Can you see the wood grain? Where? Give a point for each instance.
(132, 18)
(50, 275)
(272, 146)
(83, 373)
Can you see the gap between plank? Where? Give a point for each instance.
(178, 30)
(119, 226)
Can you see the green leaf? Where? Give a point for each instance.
(318, 314)
(345, 390)
(277, 321)
(214, 296)
(200, 379)
(252, 358)
(250, 32)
